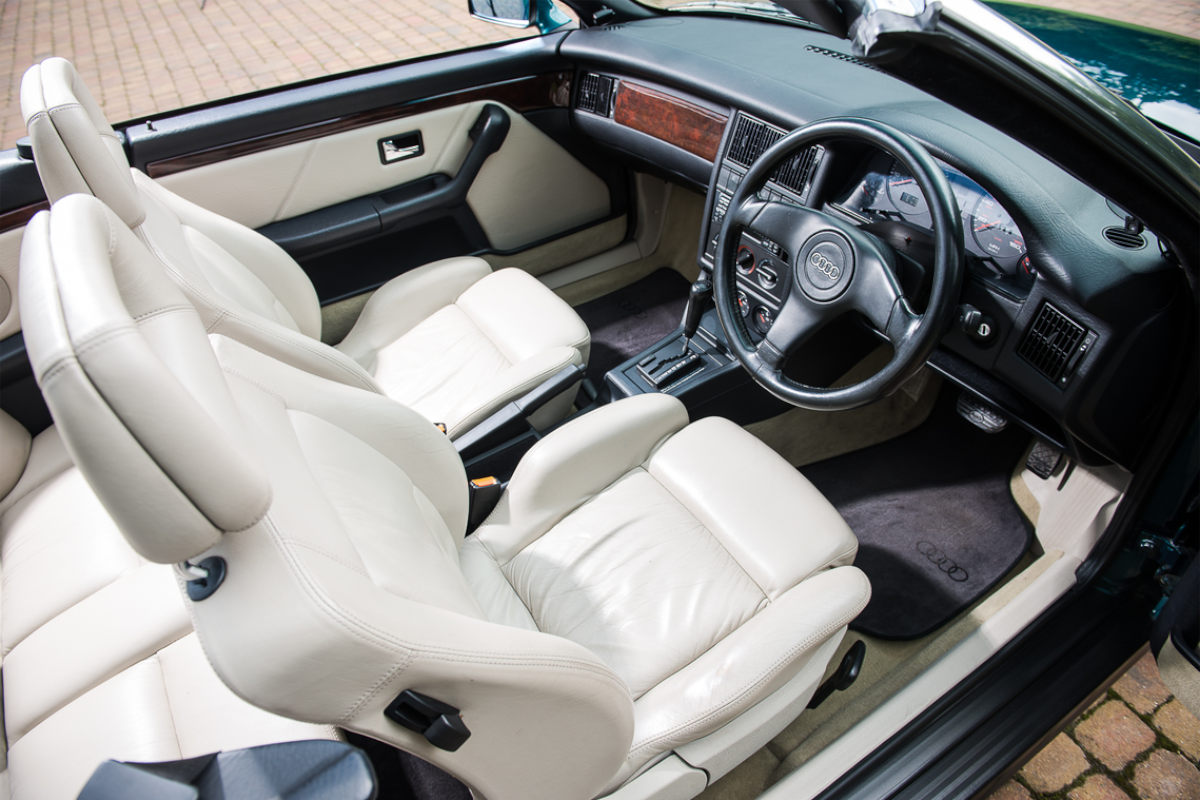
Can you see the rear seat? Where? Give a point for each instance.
(97, 651)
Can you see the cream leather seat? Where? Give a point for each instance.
(452, 339)
(98, 653)
(646, 590)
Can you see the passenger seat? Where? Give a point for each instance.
(99, 657)
(451, 340)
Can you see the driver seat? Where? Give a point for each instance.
(648, 593)
(452, 339)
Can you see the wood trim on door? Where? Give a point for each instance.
(548, 90)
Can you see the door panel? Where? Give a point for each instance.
(288, 181)
(528, 191)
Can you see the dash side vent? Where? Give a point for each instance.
(1124, 238)
(595, 94)
(1051, 342)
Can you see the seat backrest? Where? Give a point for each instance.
(338, 512)
(243, 284)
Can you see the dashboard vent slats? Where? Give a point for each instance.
(1051, 342)
(825, 51)
(1124, 238)
(752, 137)
(595, 94)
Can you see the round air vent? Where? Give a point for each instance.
(1124, 239)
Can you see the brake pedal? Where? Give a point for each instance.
(1044, 459)
(846, 674)
(985, 418)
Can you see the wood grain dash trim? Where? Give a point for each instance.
(17, 218)
(548, 90)
(670, 119)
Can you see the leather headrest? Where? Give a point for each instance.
(74, 147)
(135, 389)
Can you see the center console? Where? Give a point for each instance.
(701, 371)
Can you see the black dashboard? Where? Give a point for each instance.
(1081, 311)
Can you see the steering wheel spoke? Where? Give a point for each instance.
(835, 267)
(796, 323)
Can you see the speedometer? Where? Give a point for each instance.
(904, 193)
(995, 231)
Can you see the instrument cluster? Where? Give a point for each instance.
(888, 192)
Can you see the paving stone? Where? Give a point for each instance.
(1098, 787)
(1141, 687)
(1114, 735)
(1167, 776)
(1010, 791)
(1177, 724)
(1058, 765)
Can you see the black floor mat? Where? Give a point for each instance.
(400, 776)
(623, 323)
(936, 523)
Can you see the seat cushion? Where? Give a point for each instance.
(705, 575)
(455, 341)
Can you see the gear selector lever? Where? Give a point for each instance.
(698, 298)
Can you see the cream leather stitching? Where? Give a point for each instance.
(322, 552)
(254, 383)
(374, 690)
(806, 644)
(342, 618)
(158, 312)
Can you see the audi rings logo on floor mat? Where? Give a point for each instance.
(943, 561)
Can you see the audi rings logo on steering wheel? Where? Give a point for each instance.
(825, 266)
(943, 561)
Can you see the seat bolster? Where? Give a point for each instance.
(516, 381)
(492, 589)
(746, 666)
(402, 435)
(404, 301)
(269, 262)
(15, 444)
(748, 496)
(574, 464)
(48, 457)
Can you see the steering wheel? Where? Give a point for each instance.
(838, 268)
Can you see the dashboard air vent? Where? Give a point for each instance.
(595, 94)
(1051, 342)
(1125, 238)
(842, 57)
(751, 138)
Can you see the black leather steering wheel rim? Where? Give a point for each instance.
(863, 264)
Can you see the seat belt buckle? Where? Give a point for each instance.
(484, 495)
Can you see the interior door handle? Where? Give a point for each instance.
(488, 134)
(401, 147)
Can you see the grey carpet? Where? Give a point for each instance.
(625, 322)
(936, 524)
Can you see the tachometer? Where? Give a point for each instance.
(995, 231)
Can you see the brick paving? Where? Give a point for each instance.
(1136, 742)
(141, 57)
